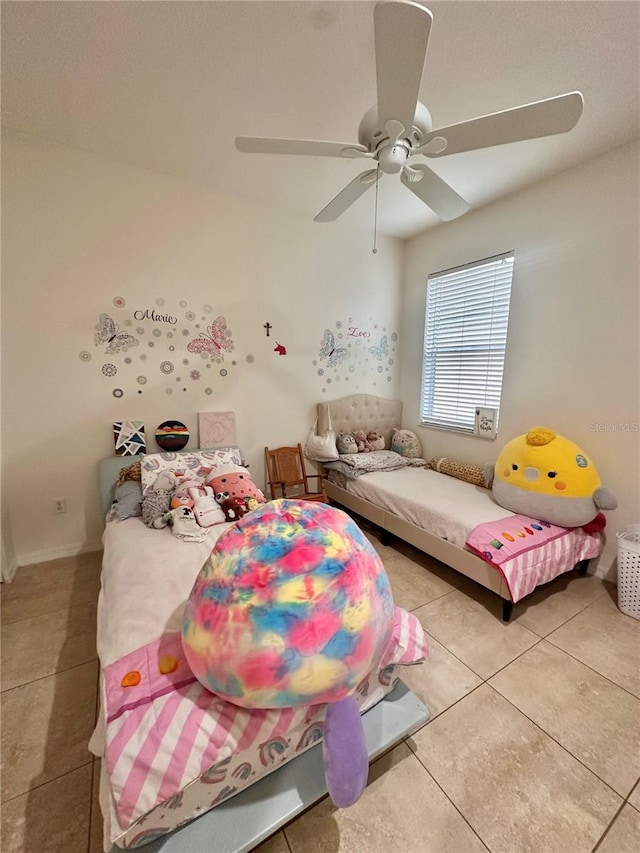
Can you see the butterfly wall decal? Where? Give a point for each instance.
(108, 332)
(215, 340)
(380, 350)
(328, 349)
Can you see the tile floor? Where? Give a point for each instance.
(533, 745)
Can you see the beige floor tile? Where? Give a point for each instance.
(551, 605)
(35, 648)
(95, 826)
(473, 630)
(53, 818)
(374, 537)
(607, 640)
(624, 834)
(413, 584)
(634, 796)
(52, 586)
(597, 721)
(402, 809)
(441, 680)
(46, 726)
(276, 844)
(517, 787)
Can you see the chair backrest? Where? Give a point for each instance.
(286, 473)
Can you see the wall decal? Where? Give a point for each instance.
(381, 350)
(216, 429)
(172, 435)
(129, 438)
(163, 337)
(214, 340)
(354, 350)
(118, 392)
(107, 332)
(280, 349)
(267, 326)
(330, 350)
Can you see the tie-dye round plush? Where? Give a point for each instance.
(292, 607)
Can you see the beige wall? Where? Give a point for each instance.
(573, 353)
(79, 230)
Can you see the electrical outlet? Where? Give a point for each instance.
(59, 505)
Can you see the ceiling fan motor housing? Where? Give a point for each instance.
(373, 135)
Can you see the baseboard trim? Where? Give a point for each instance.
(57, 553)
(9, 570)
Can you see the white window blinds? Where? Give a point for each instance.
(465, 335)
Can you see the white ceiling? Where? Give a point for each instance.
(169, 85)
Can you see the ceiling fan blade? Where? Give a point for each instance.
(401, 39)
(435, 193)
(309, 147)
(530, 121)
(352, 192)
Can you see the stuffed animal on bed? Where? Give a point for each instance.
(547, 476)
(206, 508)
(232, 511)
(346, 443)
(362, 441)
(406, 443)
(294, 607)
(376, 440)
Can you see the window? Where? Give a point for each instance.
(465, 335)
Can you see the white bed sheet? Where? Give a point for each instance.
(137, 600)
(132, 551)
(442, 505)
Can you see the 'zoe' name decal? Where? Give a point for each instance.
(355, 332)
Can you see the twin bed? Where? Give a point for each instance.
(184, 771)
(446, 517)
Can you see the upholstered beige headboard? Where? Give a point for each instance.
(361, 411)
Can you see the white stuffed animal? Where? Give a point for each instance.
(206, 509)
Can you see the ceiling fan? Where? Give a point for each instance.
(398, 128)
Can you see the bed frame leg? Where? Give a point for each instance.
(583, 565)
(507, 607)
(385, 537)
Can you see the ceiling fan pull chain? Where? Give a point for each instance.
(375, 213)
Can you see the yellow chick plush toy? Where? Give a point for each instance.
(548, 477)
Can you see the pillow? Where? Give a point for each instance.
(131, 472)
(460, 470)
(354, 465)
(128, 496)
(197, 464)
(406, 443)
(237, 483)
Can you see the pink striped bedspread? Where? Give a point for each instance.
(165, 731)
(528, 552)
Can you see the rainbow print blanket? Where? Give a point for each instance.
(528, 552)
(173, 745)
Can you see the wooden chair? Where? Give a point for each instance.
(287, 477)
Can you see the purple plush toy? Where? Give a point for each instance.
(293, 607)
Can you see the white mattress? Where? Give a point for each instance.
(442, 505)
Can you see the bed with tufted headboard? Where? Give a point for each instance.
(436, 512)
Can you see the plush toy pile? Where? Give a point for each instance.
(360, 441)
(190, 506)
(547, 476)
(294, 607)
